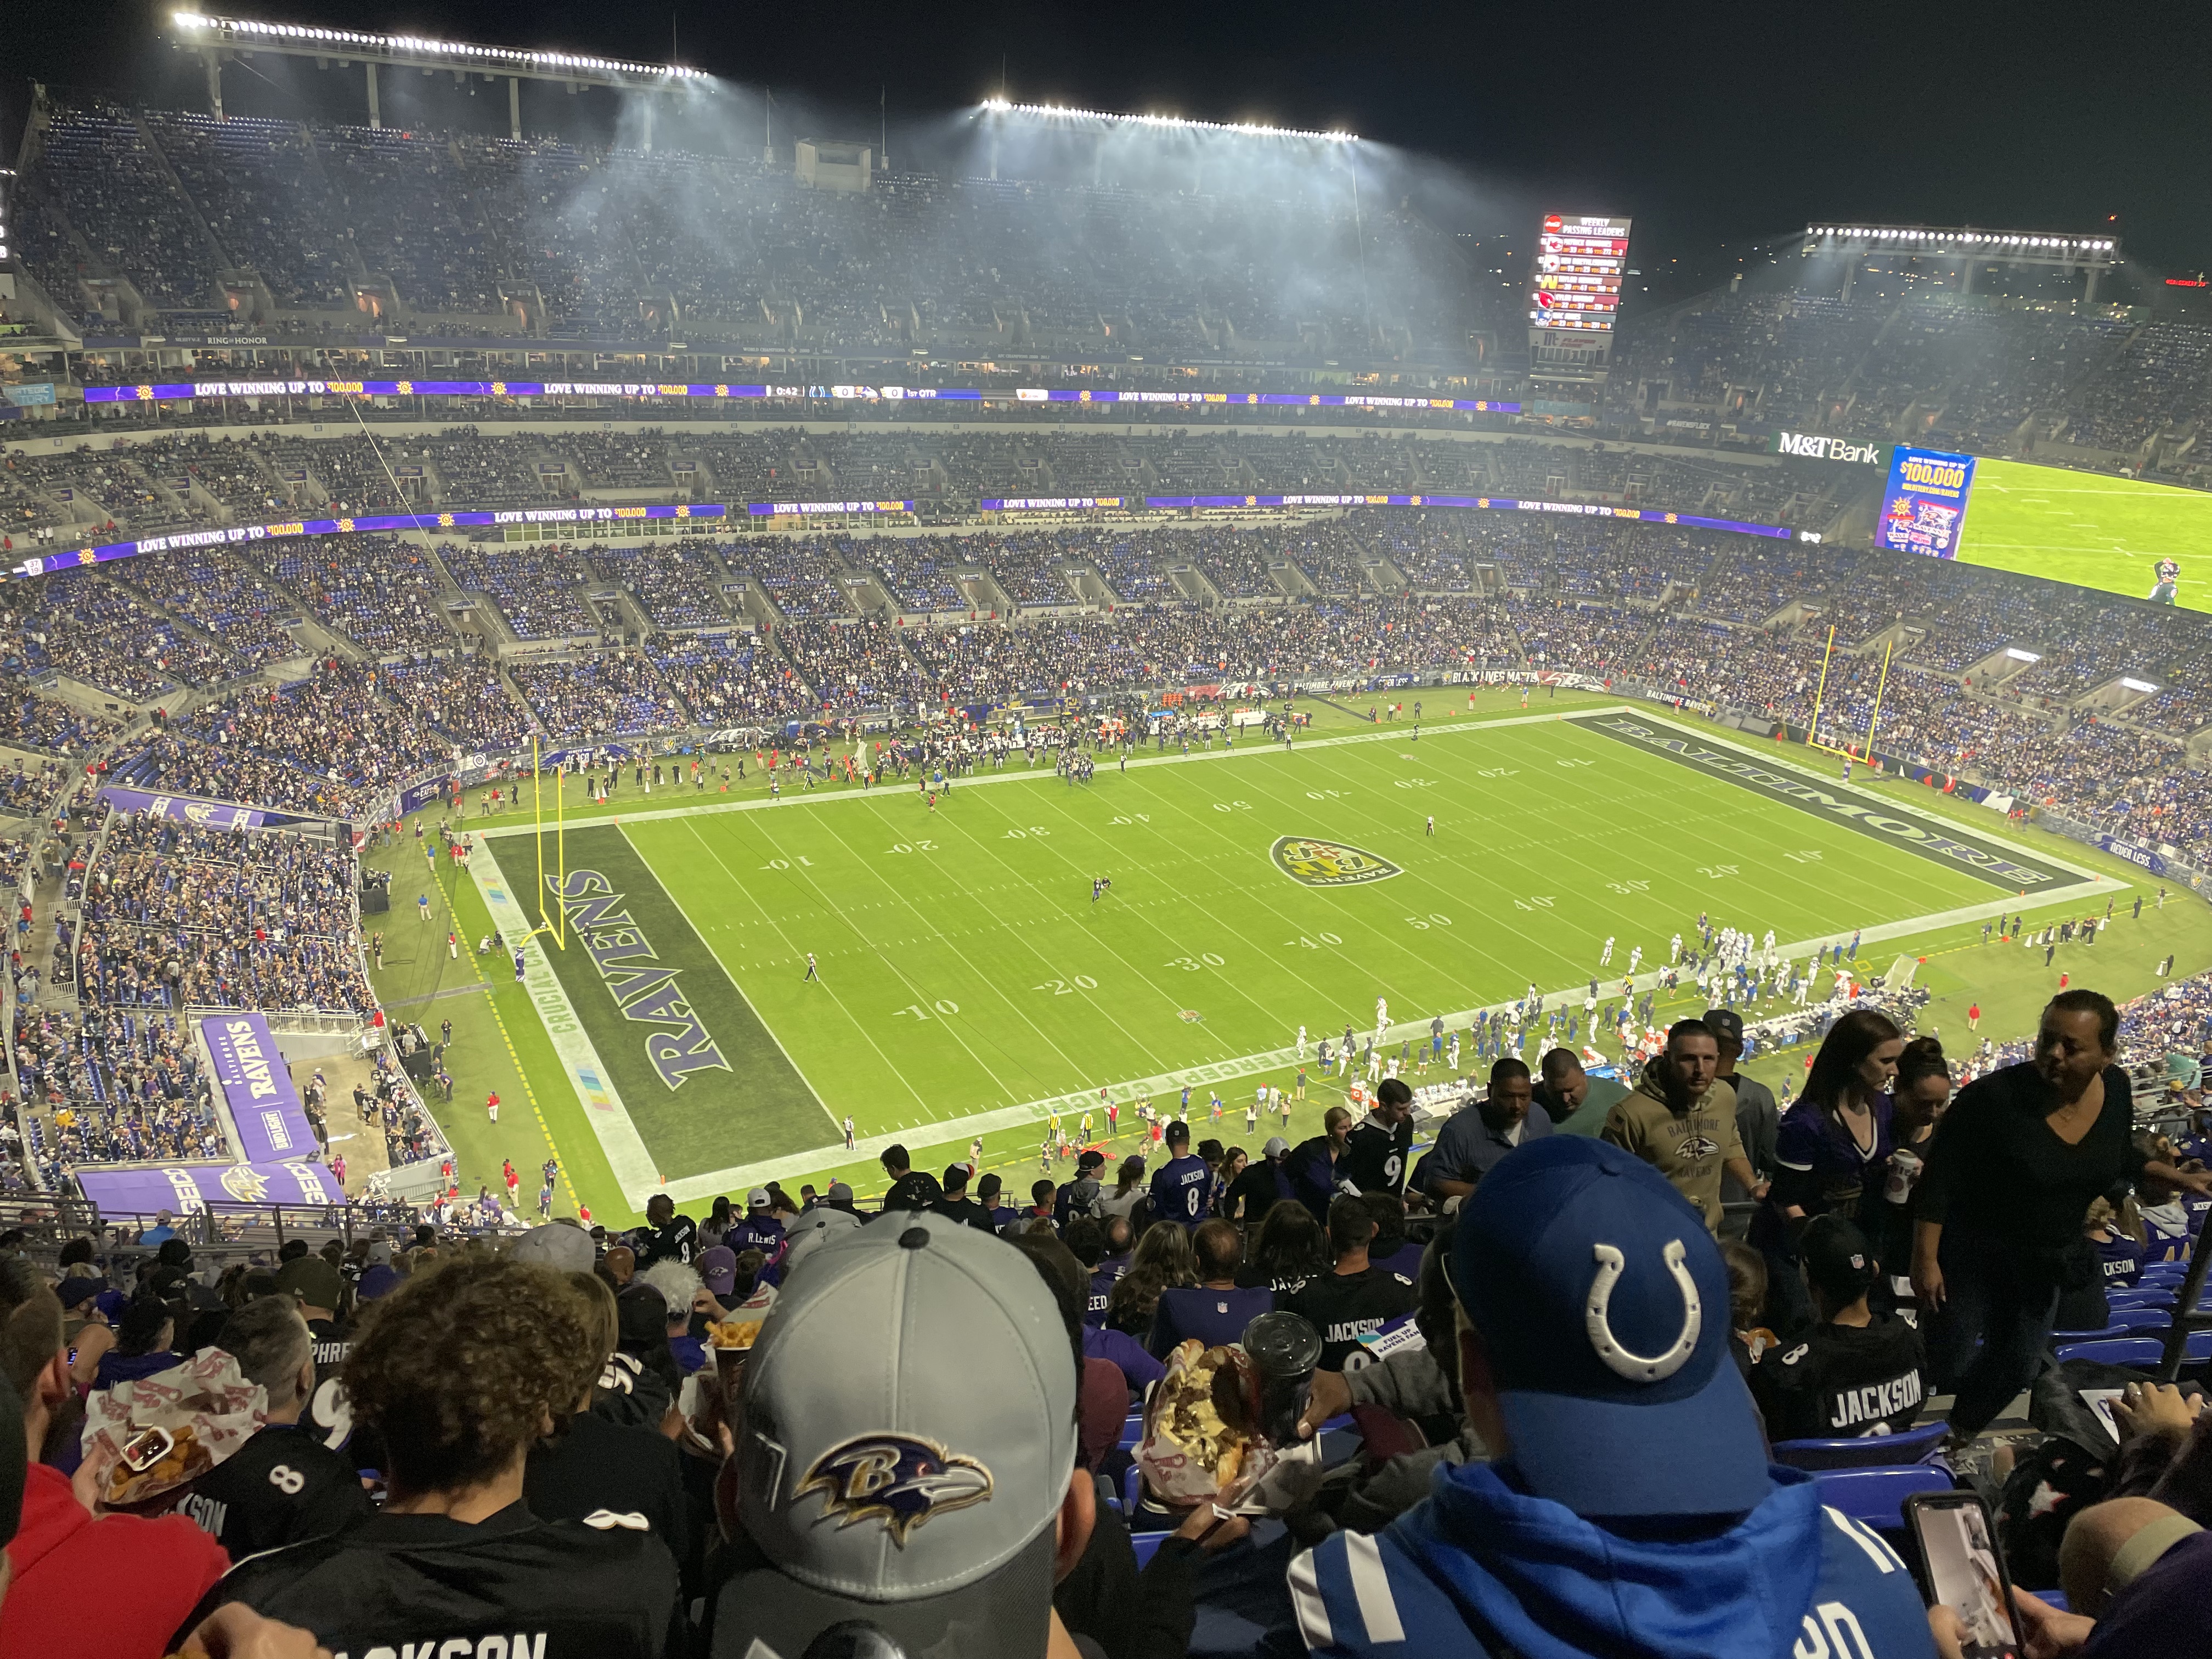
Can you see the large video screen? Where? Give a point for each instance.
(2147, 540)
(1925, 508)
(1577, 281)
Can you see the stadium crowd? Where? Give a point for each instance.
(177, 914)
(1473, 1416)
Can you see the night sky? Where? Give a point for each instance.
(1717, 127)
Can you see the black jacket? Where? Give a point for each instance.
(423, 1581)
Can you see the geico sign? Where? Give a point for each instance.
(1825, 449)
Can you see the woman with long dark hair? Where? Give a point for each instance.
(716, 1227)
(1833, 1145)
(1162, 1261)
(2014, 1165)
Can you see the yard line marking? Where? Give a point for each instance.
(946, 938)
(860, 1026)
(1033, 774)
(1008, 1117)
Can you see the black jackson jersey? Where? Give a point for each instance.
(1841, 1380)
(283, 1486)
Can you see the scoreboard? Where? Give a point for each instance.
(1576, 287)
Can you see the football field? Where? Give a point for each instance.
(968, 982)
(2099, 532)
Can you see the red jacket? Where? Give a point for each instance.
(133, 1580)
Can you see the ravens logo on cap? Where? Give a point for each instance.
(899, 1478)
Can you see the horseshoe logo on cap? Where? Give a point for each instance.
(1635, 1367)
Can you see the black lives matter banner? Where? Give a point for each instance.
(1990, 861)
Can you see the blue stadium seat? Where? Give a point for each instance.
(1876, 1496)
(2141, 1319)
(2136, 1349)
(1147, 1544)
(2148, 1297)
(1866, 1451)
(2072, 1337)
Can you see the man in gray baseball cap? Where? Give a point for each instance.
(883, 1479)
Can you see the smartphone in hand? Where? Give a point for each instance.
(1960, 1568)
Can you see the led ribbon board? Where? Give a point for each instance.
(168, 390)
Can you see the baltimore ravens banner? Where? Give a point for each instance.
(183, 1189)
(257, 1086)
(214, 814)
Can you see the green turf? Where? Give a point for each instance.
(2093, 530)
(964, 967)
(926, 924)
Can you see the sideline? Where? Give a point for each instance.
(627, 1157)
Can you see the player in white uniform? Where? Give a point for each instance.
(1635, 958)
(1675, 948)
(1605, 957)
(1302, 1042)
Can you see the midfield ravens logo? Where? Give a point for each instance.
(1329, 863)
(898, 1479)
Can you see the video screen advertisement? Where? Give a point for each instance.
(1575, 285)
(1925, 508)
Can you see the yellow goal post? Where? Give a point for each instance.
(1819, 697)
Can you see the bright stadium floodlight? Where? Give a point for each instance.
(2090, 256)
(217, 39)
(413, 51)
(1248, 128)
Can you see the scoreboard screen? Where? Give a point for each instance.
(1579, 263)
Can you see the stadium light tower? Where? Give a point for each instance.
(2093, 255)
(1103, 122)
(216, 39)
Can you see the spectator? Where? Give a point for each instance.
(1758, 1119)
(1836, 1133)
(1183, 1188)
(911, 1189)
(461, 1371)
(1163, 1261)
(1854, 1372)
(932, 1556)
(1680, 1120)
(1379, 1149)
(144, 1342)
(1128, 1189)
(1354, 1299)
(1474, 1138)
(284, 1485)
(1621, 1434)
(1923, 1091)
(1215, 1310)
(1312, 1165)
(152, 1571)
(1577, 1103)
(1260, 1187)
(956, 1205)
(2011, 1174)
